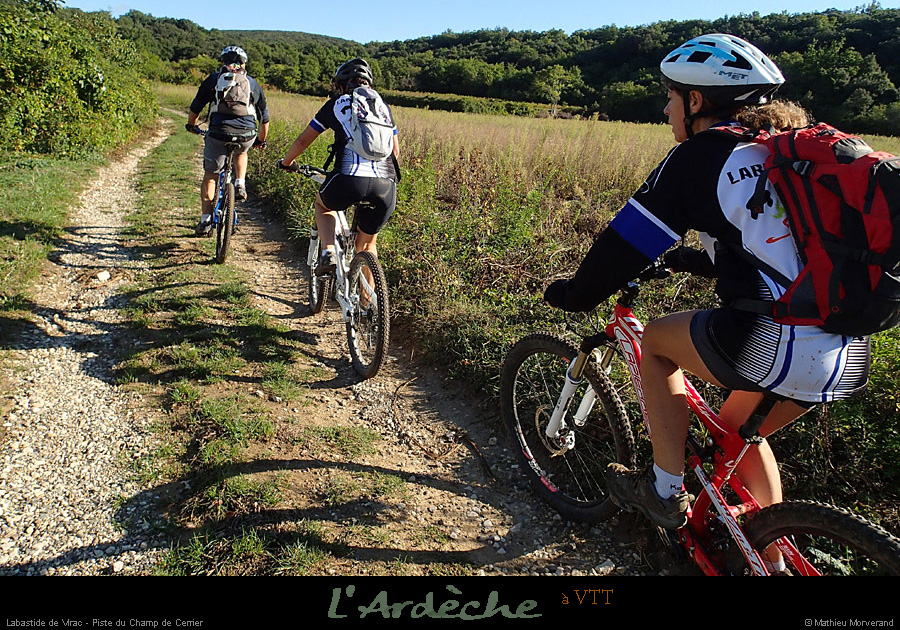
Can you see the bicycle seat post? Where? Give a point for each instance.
(749, 431)
(343, 228)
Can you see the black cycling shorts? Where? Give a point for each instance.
(339, 192)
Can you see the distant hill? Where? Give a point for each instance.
(842, 65)
(283, 37)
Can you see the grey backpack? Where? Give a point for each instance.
(233, 94)
(371, 125)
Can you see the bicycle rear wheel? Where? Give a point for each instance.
(225, 225)
(319, 286)
(368, 328)
(567, 471)
(831, 540)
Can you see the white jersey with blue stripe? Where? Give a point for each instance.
(335, 115)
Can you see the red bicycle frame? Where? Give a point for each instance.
(727, 449)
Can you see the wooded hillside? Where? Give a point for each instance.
(843, 65)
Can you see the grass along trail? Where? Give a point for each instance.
(403, 474)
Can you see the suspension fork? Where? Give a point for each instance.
(574, 378)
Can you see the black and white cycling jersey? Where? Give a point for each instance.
(335, 115)
(704, 184)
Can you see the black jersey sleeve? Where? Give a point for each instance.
(205, 94)
(609, 264)
(259, 102)
(325, 118)
(679, 195)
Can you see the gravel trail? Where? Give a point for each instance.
(66, 506)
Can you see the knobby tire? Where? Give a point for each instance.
(570, 480)
(225, 225)
(834, 540)
(368, 328)
(319, 286)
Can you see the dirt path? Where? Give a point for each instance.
(442, 439)
(466, 502)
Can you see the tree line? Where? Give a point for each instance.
(843, 65)
(62, 66)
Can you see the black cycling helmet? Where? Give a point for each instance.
(233, 54)
(352, 71)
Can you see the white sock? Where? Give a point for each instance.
(205, 217)
(238, 182)
(667, 484)
(772, 567)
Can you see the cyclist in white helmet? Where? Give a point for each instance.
(354, 178)
(704, 184)
(238, 114)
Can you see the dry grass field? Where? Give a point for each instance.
(492, 208)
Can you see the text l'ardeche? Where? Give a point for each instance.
(450, 608)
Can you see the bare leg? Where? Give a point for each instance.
(758, 469)
(326, 221)
(366, 243)
(208, 192)
(240, 165)
(666, 348)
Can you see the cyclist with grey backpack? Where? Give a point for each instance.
(364, 155)
(238, 114)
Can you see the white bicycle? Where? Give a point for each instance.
(358, 285)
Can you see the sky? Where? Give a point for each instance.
(389, 20)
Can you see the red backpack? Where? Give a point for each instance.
(842, 200)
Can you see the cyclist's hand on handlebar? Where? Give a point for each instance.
(687, 259)
(193, 128)
(260, 144)
(293, 168)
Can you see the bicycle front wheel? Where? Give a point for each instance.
(567, 471)
(828, 540)
(225, 225)
(368, 327)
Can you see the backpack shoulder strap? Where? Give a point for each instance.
(744, 134)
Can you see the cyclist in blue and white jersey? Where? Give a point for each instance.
(354, 178)
(704, 184)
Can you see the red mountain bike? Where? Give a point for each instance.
(549, 393)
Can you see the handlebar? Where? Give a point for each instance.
(656, 271)
(307, 170)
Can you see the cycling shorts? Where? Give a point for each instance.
(339, 192)
(804, 364)
(214, 151)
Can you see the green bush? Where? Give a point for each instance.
(68, 84)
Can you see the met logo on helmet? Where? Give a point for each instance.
(734, 76)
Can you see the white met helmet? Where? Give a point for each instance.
(727, 70)
(233, 54)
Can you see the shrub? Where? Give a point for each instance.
(68, 84)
